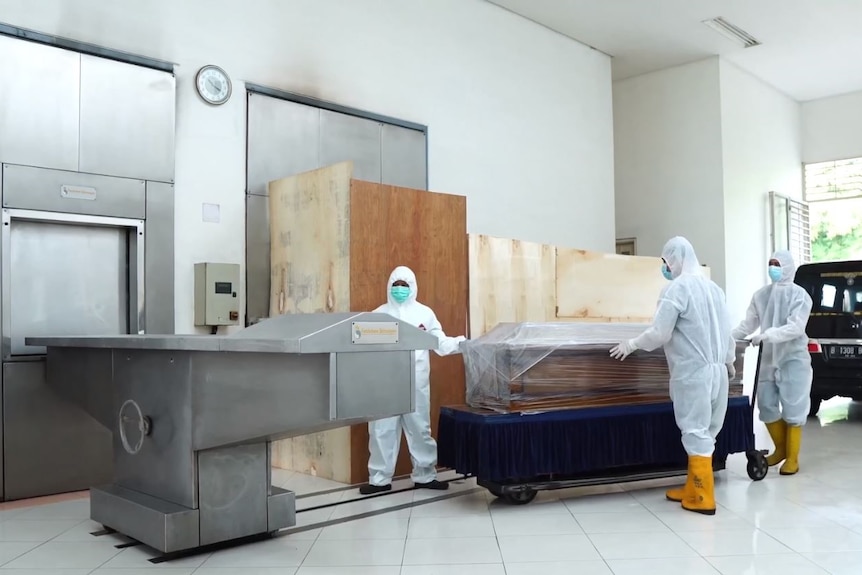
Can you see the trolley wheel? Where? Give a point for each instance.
(496, 493)
(520, 497)
(757, 467)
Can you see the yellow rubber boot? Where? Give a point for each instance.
(794, 441)
(778, 433)
(677, 494)
(701, 499)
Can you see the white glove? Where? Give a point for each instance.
(731, 371)
(623, 350)
(762, 337)
(461, 342)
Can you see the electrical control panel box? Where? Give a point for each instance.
(216, 294)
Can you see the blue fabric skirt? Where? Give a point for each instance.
(513, 447)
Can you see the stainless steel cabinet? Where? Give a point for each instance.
(51, 445)
(284, 138)
(403, 161)
(127, 120)
(257, 258)
(159, 271)
(344, 137)
(39, 100)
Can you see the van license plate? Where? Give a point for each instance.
(845, 351)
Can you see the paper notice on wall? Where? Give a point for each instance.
(211, 213)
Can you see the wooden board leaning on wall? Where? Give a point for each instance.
(335, 241)
(519, 281)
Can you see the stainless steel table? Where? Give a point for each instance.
(193, 416)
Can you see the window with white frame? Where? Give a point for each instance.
(791, 228)
(836, 180)
(833, 192)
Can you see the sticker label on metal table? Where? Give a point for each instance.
(375, 332)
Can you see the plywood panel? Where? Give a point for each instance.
(310, 273)
(510, 281)
(427, 232)
(593, 286)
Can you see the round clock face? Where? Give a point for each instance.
(213, 85)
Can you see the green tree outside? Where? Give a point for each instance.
(836, 230)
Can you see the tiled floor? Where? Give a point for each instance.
(810, 524)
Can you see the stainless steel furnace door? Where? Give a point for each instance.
(67, 280)
(62, 274)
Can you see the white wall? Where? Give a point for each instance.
(520, 118)
(761, 152)
(832, 128)
(667, 134)
(698, 149)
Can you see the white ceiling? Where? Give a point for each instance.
(810, 48)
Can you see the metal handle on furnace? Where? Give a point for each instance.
(145, 425)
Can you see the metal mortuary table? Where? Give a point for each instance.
(193, 416)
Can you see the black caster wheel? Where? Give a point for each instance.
(520, 497)
(757, 467)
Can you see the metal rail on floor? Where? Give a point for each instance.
(319, 525)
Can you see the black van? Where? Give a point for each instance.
(834, 329)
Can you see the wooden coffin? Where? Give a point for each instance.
(548, 366)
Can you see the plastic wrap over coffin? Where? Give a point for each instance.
(548, 366)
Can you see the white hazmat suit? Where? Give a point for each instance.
(780, 311)
(692, 323)
(385, 434)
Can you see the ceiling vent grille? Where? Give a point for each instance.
(732, 32)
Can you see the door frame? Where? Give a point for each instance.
(136, 246)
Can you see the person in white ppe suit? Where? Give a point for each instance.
(780, 311)
(692, 323)
(384, 435)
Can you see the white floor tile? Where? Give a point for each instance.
(375, 504)
(278, 552)
(805, 539)
(758, 530)
(643, 546)
(507, 525)
(346, 553)
(634, 522)
(454, 570)
(437, 527)
(12, 550)
(723, 520)
(35, 530)
(365, 570)
(782, 514)
(744, 542)
(49, 572)
(139, 558)
(790, 564)
(841, 563)
(540, 548)
(472, 504)
(547, 505)
(139, 571)
(235, 571)
(664, 566)
(386, 526)
(463, 551)
(610, 503)
(82, 532)
(654, 498)
(560, 568)
(75, 509)
(66, 555)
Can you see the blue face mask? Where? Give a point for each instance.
(400, 293)
(775, 273)
(665, 271)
